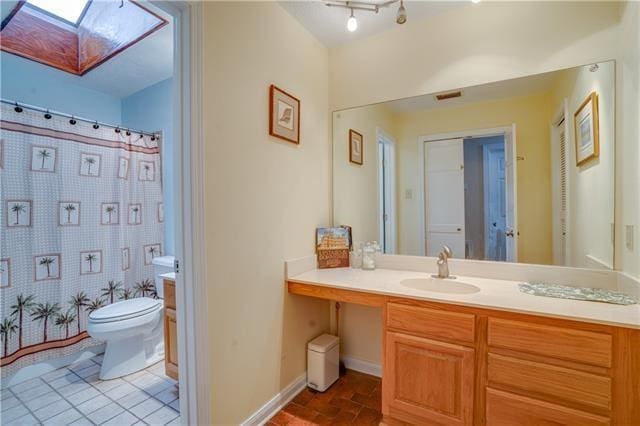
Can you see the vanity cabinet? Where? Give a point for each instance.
(446, 364)
(170, 330)
(431, 380)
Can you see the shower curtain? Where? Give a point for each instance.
(82, 217)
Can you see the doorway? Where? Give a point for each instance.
(470, 194)
(386, 191)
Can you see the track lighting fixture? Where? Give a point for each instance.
(47, 115)
(72, 121)
(128, 133)
(153, 137)
(352, 23)
(96, 125)
(18, 108)
(117, 130)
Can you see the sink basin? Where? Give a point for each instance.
(440, 285)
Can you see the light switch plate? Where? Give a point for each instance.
(629, 234)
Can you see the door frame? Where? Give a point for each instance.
(510, 139)
(385, 138)
(191, 282)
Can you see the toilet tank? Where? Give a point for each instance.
(162, 265)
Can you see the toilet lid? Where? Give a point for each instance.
(125, 309)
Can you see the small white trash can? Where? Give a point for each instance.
(323, 362)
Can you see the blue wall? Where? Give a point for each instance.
(151, 109)
(29, 82)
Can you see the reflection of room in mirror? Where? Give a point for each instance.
(508, 188)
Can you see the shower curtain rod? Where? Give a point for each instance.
(75, 117)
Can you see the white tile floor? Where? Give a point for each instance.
(76, 396)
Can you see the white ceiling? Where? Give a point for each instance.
(329, 24)
(486, 92)
(145, 63)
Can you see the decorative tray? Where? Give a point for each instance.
(577, 293)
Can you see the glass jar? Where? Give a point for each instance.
(369, 256)
(356, 255)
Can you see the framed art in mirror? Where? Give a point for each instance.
(587, 130)
(356, 147)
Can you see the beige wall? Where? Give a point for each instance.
(264, 198)
(592, 185)
(531, 114)
(355, 193)
(628, 139)
(471, 45)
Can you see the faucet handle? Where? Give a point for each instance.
(446, 250)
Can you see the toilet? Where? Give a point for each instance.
(132, 329)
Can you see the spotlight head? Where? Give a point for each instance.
(72, 121)
(352, 23)
(96, 125)
(47, 115)
(401, 17)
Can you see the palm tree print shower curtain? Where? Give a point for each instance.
(81, 221)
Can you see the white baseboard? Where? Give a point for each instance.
(278, 402)
(362, 366)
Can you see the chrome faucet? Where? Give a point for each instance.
(443, 264)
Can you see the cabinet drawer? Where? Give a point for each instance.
(169, 294)
(504, 408)
(431, 322)
(550, 382)
(563, 343)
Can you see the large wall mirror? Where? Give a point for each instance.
(519, 170)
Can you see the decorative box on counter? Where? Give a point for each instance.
(332, 247)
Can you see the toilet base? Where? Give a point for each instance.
(126, 356)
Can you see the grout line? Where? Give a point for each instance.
(101, 393)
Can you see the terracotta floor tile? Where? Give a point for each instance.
(323, 407)
(368, 416)
(355, 399)
(373, 401)
(303, 397)
(302, 413)
(346, 405)
(282, 418)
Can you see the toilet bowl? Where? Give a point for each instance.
(132, 330)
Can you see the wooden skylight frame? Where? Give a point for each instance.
(77, 49)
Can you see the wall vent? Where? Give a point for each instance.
(448, 95)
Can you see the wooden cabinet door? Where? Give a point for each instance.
(426, 381)
(170, 344)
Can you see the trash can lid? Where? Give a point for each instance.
(323, 343)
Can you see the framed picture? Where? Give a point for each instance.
(587, 132)
(355, 147)
(284, 115)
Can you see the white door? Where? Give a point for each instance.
(511, 172)
(444, 196)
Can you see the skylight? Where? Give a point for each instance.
(68, 10)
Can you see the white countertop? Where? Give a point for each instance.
(496, 294)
